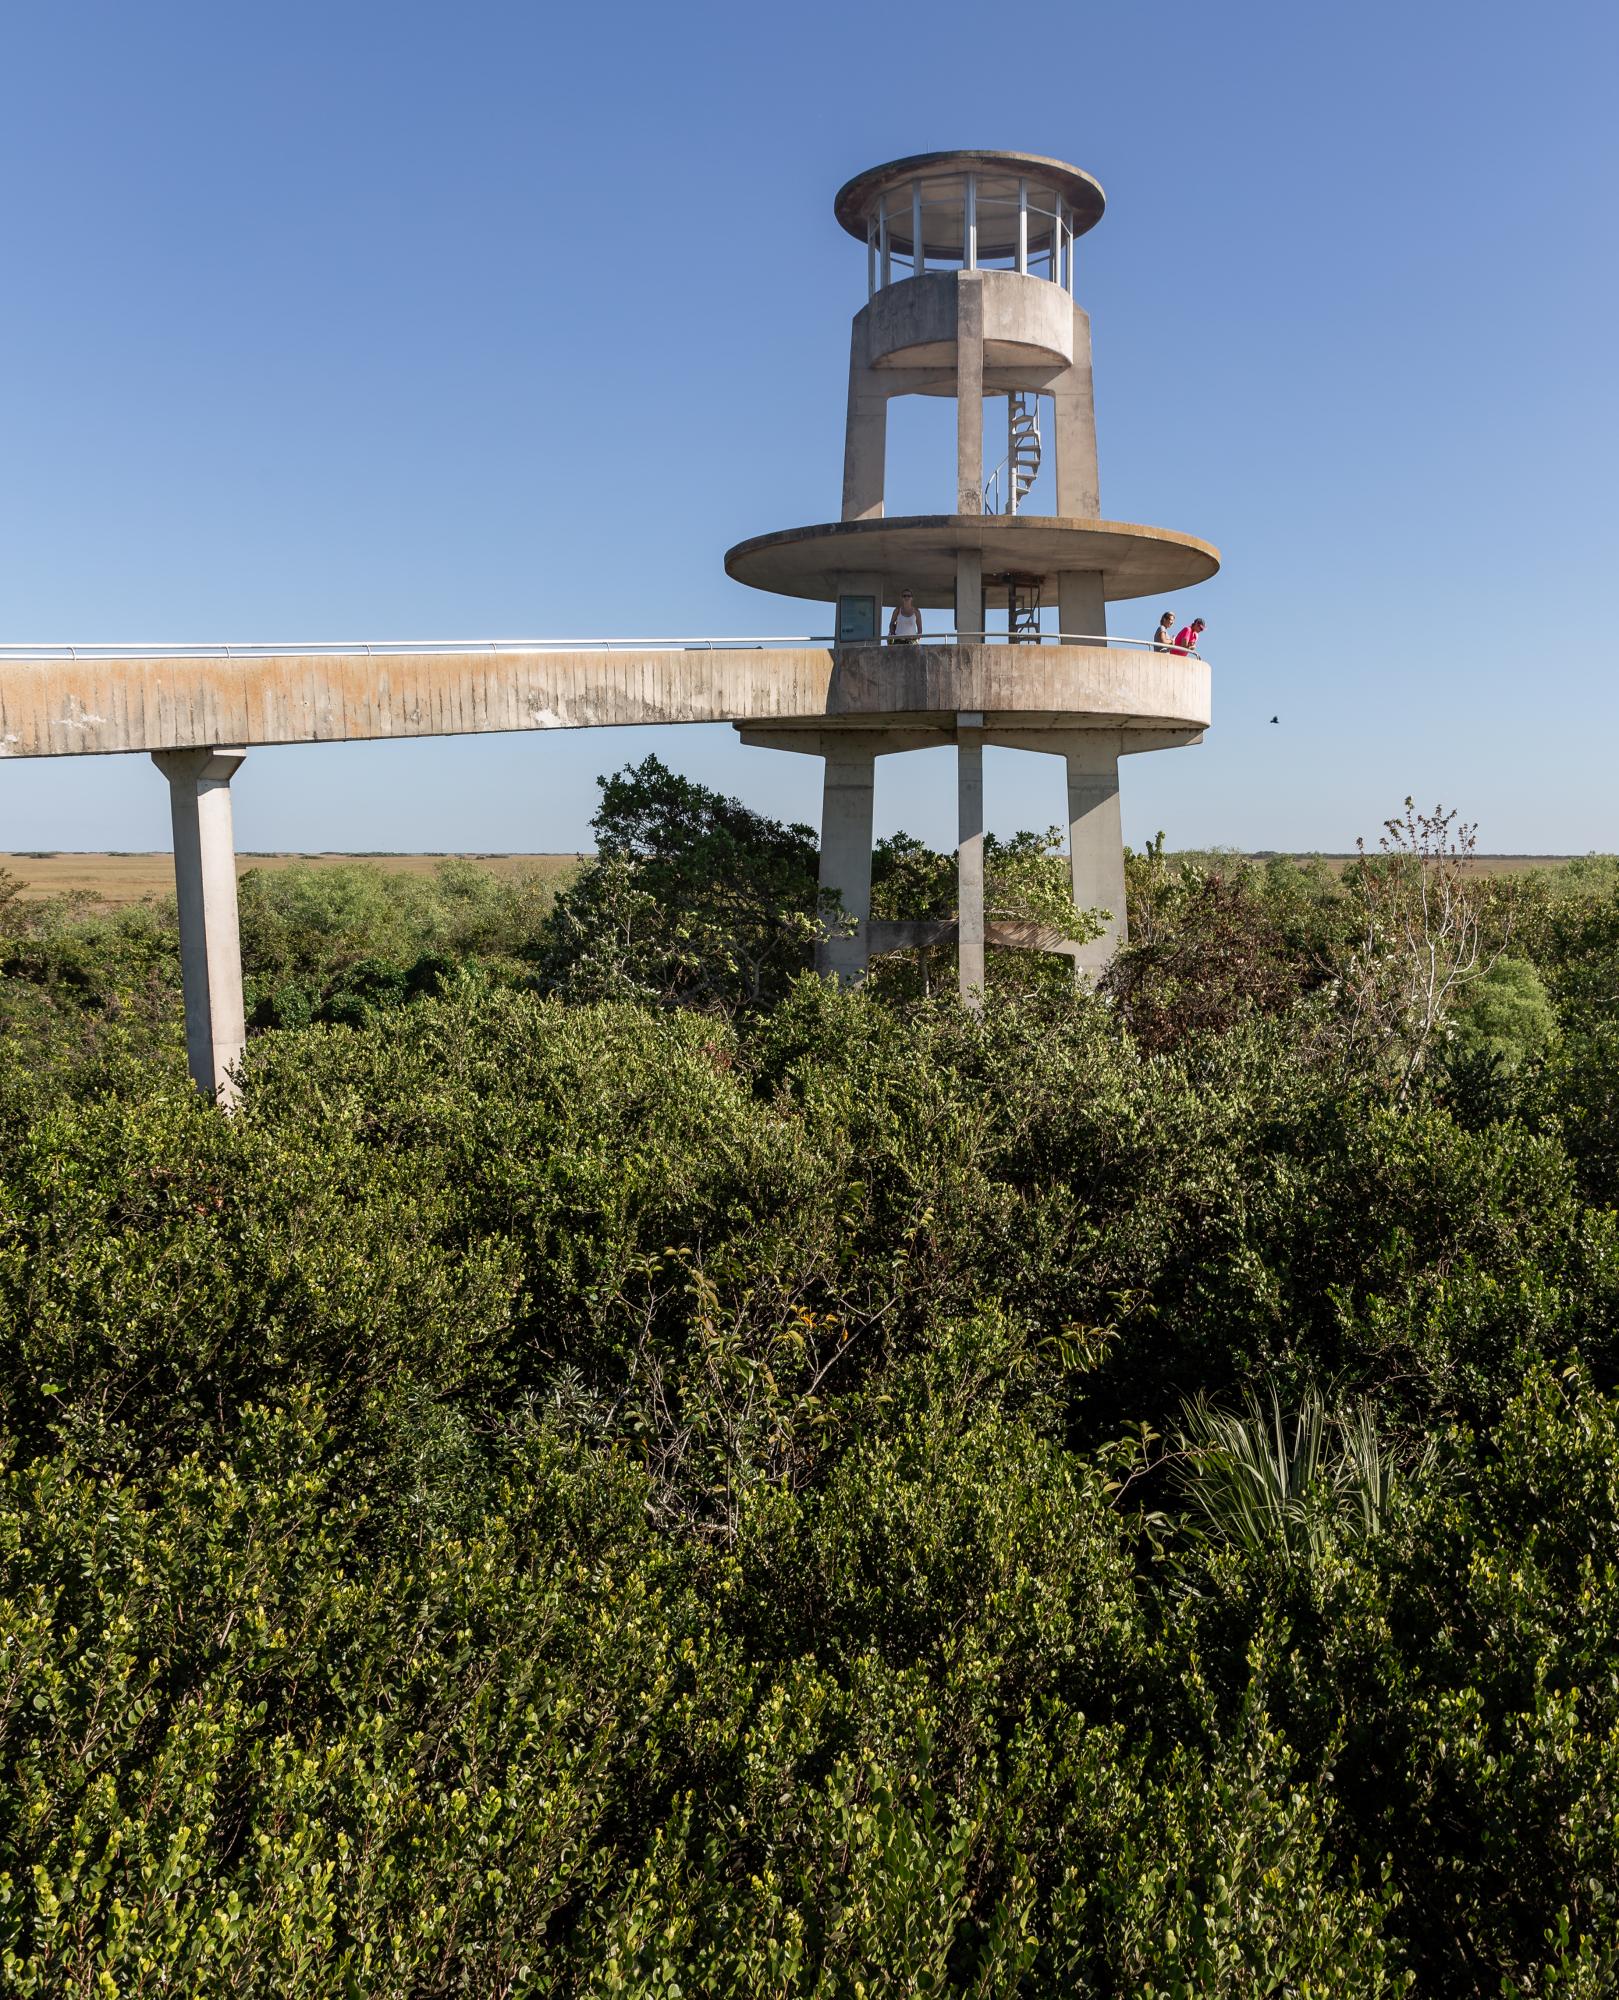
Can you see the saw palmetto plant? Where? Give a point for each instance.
(1288, 1483)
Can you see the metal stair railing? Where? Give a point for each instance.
(1023, 610)
(1021, 465)
(1023, 445)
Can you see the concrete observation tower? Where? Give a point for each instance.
(971, 294)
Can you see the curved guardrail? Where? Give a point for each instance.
(259, 649)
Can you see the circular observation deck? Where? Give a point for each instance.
(912, 324)
(970, 210)
(918, 552)
(1052, 685)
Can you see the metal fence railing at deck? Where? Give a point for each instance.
(382, 649)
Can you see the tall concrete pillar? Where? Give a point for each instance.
(1081, 607)
(846, 817)
(865, 446)
(969, 594)
(1096, 841)
(970, 860)
(210, 936)
(1073, 397)
(969, 392)
(846, 811)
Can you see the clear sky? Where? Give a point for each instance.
(403, 321)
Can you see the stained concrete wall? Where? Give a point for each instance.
(74, 708)
(1028, 321)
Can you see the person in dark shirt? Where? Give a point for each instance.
(1163, 640)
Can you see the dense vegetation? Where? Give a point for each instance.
(627, 1471)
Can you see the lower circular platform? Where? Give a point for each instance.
(1126, 687)
(918, 552)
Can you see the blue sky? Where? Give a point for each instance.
(353, 320)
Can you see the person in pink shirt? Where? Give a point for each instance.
(1187, 637)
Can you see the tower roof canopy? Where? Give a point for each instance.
(922, 551)
(943, 181)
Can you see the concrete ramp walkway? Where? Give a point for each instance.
(102, 704)
(197, 711)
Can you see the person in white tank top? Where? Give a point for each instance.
(905, 627)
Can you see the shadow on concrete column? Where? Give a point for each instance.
(1073, 415)
(970, 860)
(1081, 607)
(846, 814)
(865, 449)
(969, 392)
(1096, 842)
(210, 936)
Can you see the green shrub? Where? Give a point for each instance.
(1505, 1016)
(570, 1495)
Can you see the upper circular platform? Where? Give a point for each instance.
(918, 551)
(941, 179)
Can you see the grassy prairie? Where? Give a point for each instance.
(116, 879)
(1481, 864)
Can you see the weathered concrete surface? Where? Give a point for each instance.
(1139, 689)
(848, 785)
(968, 289)
(1050, 355)
(205, 890)
(865, 437)
(846, 809)
(54, 708)
(1073, 410)
(1096, 841)
(919, 550)
(1028, 322)
(970, 860)
(856, 201)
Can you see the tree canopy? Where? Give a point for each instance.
(625, 1469)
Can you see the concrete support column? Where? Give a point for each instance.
(1096, 841)
(1073, 399)
(970, 859)
(210, 937)
(846, 817)
(865, 444)
(969, 594)
(969, 393)
(1081, 607)
(846, 810)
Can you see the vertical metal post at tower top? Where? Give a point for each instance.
(210, 933)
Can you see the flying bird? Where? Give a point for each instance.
(1276, 718)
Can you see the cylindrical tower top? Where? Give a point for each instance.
(974, 198)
